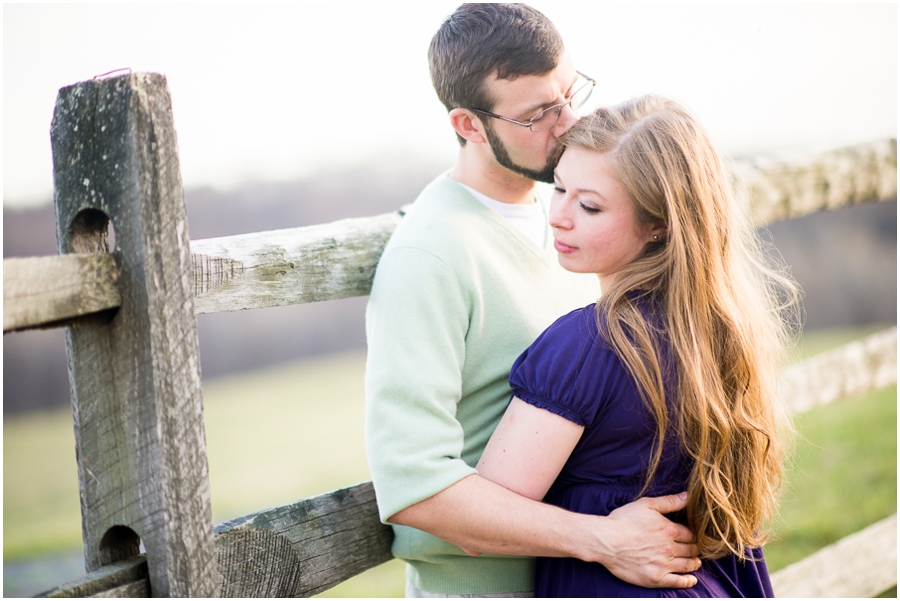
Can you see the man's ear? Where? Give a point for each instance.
(467, 125)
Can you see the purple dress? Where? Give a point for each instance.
(572, 372)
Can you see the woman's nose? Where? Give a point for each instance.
(558, 218)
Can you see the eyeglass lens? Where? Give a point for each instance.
(547, 118)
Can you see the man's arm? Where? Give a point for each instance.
(524, 456)
(635, 542)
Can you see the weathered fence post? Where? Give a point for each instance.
(135, 374)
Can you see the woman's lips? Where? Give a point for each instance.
(563, 248)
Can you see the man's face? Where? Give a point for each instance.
(515, 147)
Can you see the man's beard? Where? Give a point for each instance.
(502, 155)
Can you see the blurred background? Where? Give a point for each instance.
(291, 115)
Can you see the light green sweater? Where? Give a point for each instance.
(458, 294)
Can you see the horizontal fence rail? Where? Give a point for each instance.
(780, 187)
(311, 545)
(853, 369)
(863, 564)
(290, 266)
(125, 578)
(282, 267)
(304, 548)
(337, 260)
(39, 291)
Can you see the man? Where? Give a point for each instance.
(466, 283)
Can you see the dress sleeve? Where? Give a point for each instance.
(564, 370)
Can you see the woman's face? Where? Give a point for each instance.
(593, 219)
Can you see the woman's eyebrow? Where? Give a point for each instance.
(558, 180)
(588, 191)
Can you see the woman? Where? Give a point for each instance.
(668, 382)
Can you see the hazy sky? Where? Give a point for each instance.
(271, 92)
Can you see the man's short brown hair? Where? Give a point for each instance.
(480, 40)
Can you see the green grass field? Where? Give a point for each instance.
(281, 434)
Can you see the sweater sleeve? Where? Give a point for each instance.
(416, 323)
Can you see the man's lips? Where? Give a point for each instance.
(563, 248)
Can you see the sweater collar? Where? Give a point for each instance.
(546, 254)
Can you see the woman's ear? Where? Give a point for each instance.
(659, 230)
(467, 125)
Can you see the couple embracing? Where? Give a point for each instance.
(631, 443)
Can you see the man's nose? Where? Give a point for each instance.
(567, 119)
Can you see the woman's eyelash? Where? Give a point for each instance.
(584, 207)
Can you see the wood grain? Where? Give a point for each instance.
(863, 564)
(135, 380)
(338, 260)
(296, 550)
(304, 548)
(290, 266)
(783, 187)
(128, 576)
(47, 290)
(850, 370)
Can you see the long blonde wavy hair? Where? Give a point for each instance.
(728, 314)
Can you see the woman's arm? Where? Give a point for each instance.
(528, 449)
(524, 456)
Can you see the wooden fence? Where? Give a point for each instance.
(131, 335)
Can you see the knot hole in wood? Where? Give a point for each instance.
(119, 542)
(91, 232)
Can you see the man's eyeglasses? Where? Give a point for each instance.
(548, 117)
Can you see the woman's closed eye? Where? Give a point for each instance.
(589, 209)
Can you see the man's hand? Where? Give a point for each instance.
(635, 542)
(649, 550)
